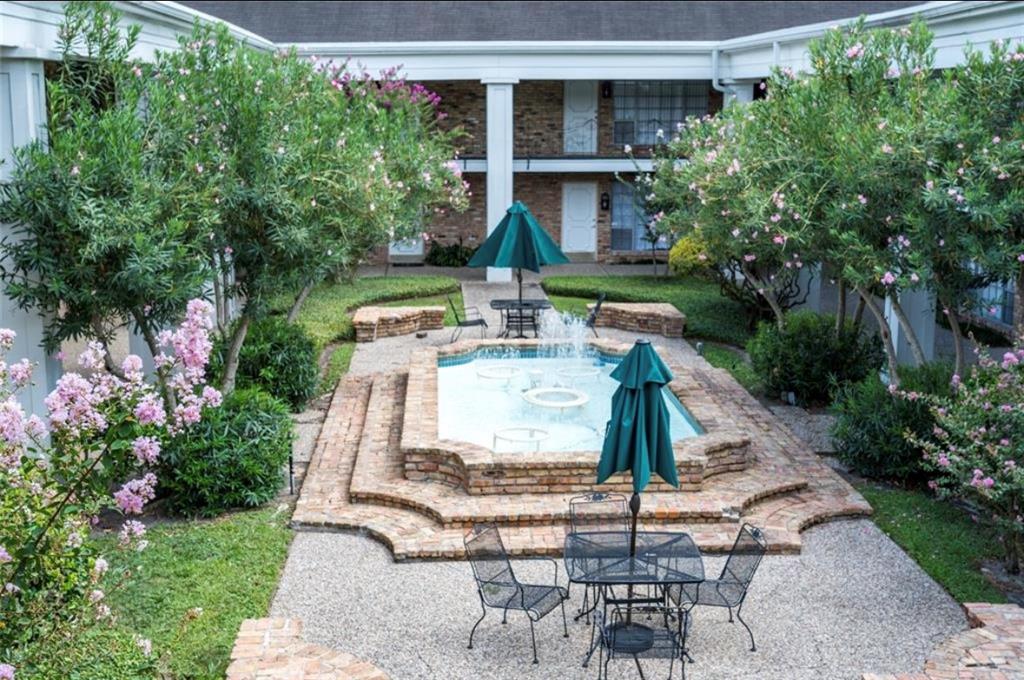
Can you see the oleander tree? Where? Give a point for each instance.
(100, 237)
(307, 167)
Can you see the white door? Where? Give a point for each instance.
(579, 217)
(580, 116)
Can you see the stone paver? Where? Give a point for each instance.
(273, 649)
(850, 602)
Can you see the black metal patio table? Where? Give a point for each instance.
(601, 558)
(517, 313)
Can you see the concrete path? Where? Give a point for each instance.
(852, 602)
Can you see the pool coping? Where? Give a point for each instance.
(722, 447)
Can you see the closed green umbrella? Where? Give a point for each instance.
(638, 437)
(520, 242)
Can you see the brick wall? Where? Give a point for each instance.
(465, 102)
(538, 115)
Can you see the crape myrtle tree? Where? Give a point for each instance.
(307, 167)
(100, 234)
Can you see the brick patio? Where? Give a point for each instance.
(359, 478)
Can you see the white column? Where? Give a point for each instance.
(22, 120)
(499, 160)
(739, 92)
(919, 307)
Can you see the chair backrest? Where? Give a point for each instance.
(598, 512)
(455, 310)
(488, 557)
(592, 317)
(745, 556)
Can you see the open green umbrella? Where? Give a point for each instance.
(637, 437)
(520, 242)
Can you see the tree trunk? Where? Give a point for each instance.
(908, 330)
(769, 296)
(958, 338)
(234, 349)
(154, 349)
(293, 313)
(841, 307)
(858, 313)
(219, 308)
(1018, 305)
(883, 331)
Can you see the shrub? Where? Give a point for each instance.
(808, 357)
(684, 259)
(450, 255)
(278, 357)
(232, 459)
(977, 447)
(871, 423)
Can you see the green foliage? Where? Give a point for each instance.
(193, 586)
(708, 314)
(325, 316)
(278, 357)
(233, 459)
(101, 234)
(808, 357)
(940, 537)
(684, 259)
(871, 423)
(337, 365)
(977, 448)
(449, 255)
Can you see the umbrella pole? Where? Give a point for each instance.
(634, 509)
(519, 278)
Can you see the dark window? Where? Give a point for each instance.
(643, 107)
(629, 220)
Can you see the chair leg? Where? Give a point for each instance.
(565, 624)
(472, 632)
(455, 334)
(533, 639)
(753, 647)
(730, 614)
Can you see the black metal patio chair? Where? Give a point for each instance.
(597, 511)
(591, 321)
(499, 588)
(729, 590)
(639, 632)
(472, 319)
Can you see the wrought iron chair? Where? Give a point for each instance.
(639, 632)
(473, 318)
(499, 588)
(597, 511)
(730, 589)
(591, 321)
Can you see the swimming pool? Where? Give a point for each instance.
(535, 400)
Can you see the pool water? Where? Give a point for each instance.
(533, 402)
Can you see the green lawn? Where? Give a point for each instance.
(732, 360)
(228, 567)
(337, 366)
(940, 537)
(326, 314)
(709, 315)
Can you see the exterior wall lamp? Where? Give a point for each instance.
(606, 201)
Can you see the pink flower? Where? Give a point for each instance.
(146, 449)
(95, 596)
(150, 410)
(131, 530)
(929, 185)
(7, 337)
(749, 257)
(100, 567)
(1010, 359)
(855, 51)
(886, 148)
(888, 279)
(1020, 258)
(862, 199)
(132, 366)
(6, 671)
(12, 422)
(5, 556)
(134, 494)
(211, 396)
(21, 372)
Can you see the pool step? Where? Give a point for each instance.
(378, 479)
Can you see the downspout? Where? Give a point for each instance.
(715, 85)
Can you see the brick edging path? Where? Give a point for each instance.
(992, 649)
(272, 649)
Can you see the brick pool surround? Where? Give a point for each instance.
(721, 447)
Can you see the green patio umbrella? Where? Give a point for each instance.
(520, 242)
(637, 437)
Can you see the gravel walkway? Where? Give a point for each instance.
(852, 602)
